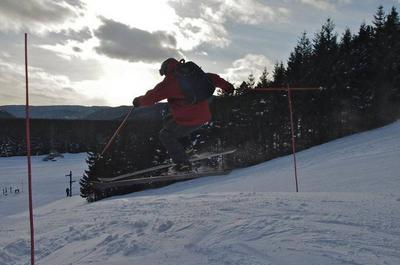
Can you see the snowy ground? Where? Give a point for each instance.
(347, 212)
(49, 180)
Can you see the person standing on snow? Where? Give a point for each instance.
(186, 117)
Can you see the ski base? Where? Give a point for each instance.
(157, 179)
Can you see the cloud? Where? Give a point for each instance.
(327, 5)
(195, 31)
(36, 15)
(249, 64)
(76, 3)
(76, 68)
(249, 12)
(53, 61)
(65, 35)
(206, 21)
(120, 41)
(45, 89)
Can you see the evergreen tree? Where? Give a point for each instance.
(298, 66)
(393, 29)
(379, 20)
(95, 168)
(324, 55)
(263, 81)
(279, 75)
(242, 89)
(246, 87)
(363, 70)
(345, 44)
(298, 74)
(342, 85)
(343, 66)
(387, 64)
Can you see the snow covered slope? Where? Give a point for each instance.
(48, 182)
(347, 212)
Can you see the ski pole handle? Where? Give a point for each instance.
(117, 131)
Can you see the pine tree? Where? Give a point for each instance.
(298, 66)
(263, 81)
(298, 73)
(95, 166)
(342, 85)
(379, 20)
(242, 89)
(363, 75)
(344, 65)
(324, 54)
(346, 42)
(388, 64)
(393, 28)
(322, 60)
(279, 75)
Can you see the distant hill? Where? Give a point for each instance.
(111, 113)
(71, 112)
(67, 112)
(5, 115)
(108, 113)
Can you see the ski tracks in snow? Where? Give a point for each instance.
(230, 228)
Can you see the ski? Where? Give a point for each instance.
(157, 179)
(199, 157)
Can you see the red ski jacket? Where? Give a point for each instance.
(183, 112)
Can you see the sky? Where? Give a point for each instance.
(103, 52)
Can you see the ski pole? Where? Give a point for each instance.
(116, 132)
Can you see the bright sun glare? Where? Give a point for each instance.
(122, 80)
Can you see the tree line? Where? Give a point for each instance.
(360, 73)
(359, 79)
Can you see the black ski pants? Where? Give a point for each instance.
(169, 137)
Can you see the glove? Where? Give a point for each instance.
(136, 102)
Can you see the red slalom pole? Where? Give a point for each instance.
(117, 131)
(289, 91)
(28, 148)
(293, 140)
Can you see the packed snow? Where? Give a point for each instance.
(347, 212)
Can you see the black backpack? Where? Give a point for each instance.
(195, 84)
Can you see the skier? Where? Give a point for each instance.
(186, 117)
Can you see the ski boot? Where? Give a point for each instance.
(180, 168)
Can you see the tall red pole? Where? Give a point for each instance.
(293, 139)
(289, 91)
(28, 148)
